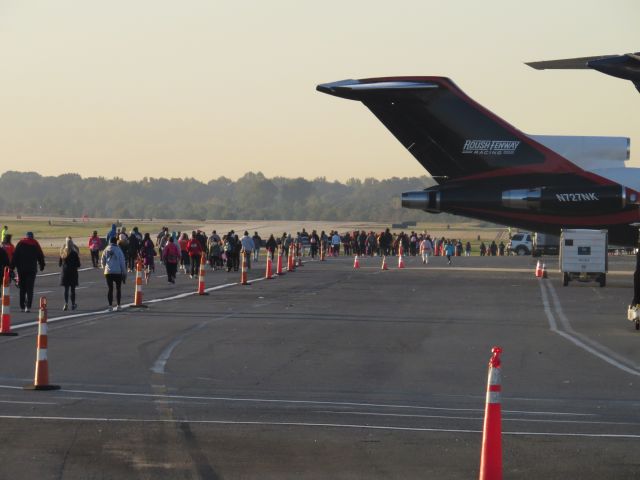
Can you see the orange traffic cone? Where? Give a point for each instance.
(544, 271)
(491, 456)
(400, 260)
(243, 273)
(5, 323)
(201, 274)
(269, 274)
(279, 266)
(137, 297)
(538, 270)
(356, 262)
(384, 263)
(41, 380)
(291, 264)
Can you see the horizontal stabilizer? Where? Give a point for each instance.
(567, 63)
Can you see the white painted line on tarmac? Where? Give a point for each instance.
(594, 348)
(129, 305)
(305, 424)
(479, 418)
(43, 292)
(297, 402)
(28, 403)
(161, 362)
(58, 273)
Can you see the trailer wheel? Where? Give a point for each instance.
(565, 279)
(603, 280)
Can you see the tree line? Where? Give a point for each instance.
(252, 197)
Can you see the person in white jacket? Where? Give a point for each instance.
(426, 248)
(115, 271)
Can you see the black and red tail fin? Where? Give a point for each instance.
(451, 135)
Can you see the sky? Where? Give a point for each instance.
(205, 88)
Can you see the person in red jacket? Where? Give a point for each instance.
(195, 252)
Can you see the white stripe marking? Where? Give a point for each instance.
(308, 424)
(58, 273)
(155, 300)
(303, 402)
(160, 364)
(572, 335)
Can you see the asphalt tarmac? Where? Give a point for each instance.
(328, 372)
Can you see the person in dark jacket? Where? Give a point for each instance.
(271, 246)
(70, 263)
(4, 261)
(27, 258)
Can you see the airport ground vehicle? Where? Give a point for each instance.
(545, 244)
(583, 255)
(521, 243)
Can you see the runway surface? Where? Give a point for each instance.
(328, 372)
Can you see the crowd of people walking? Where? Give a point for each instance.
(121, 252)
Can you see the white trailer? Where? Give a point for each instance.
(583, 255)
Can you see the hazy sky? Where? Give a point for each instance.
(207, 88)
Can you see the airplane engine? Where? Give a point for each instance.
(547, 200)
(565, 200)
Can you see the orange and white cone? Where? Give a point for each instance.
(41, 380)
(268, 274)
(243, 273)
(356, 262)
(279, 265)
(538, 270)
(384, 263)
(400, 260)
(291, 264)
(5, 323)
(201, 275)
(491, 456)
(137, 296)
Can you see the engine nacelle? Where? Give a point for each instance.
(546, 200)
(596, 199)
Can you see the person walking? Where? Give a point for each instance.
(27, 257)
(94, 248)
(69, 261)
(271, 246)
(195, 252)
(171, 255)
(247, 247)
(449, 250)
(8, 246)
(115, 271)
(184, 253)
(426, 248)
(257, 243)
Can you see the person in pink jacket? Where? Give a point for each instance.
(94, 247)
(171, 255)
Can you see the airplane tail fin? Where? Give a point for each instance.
(451, 135)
